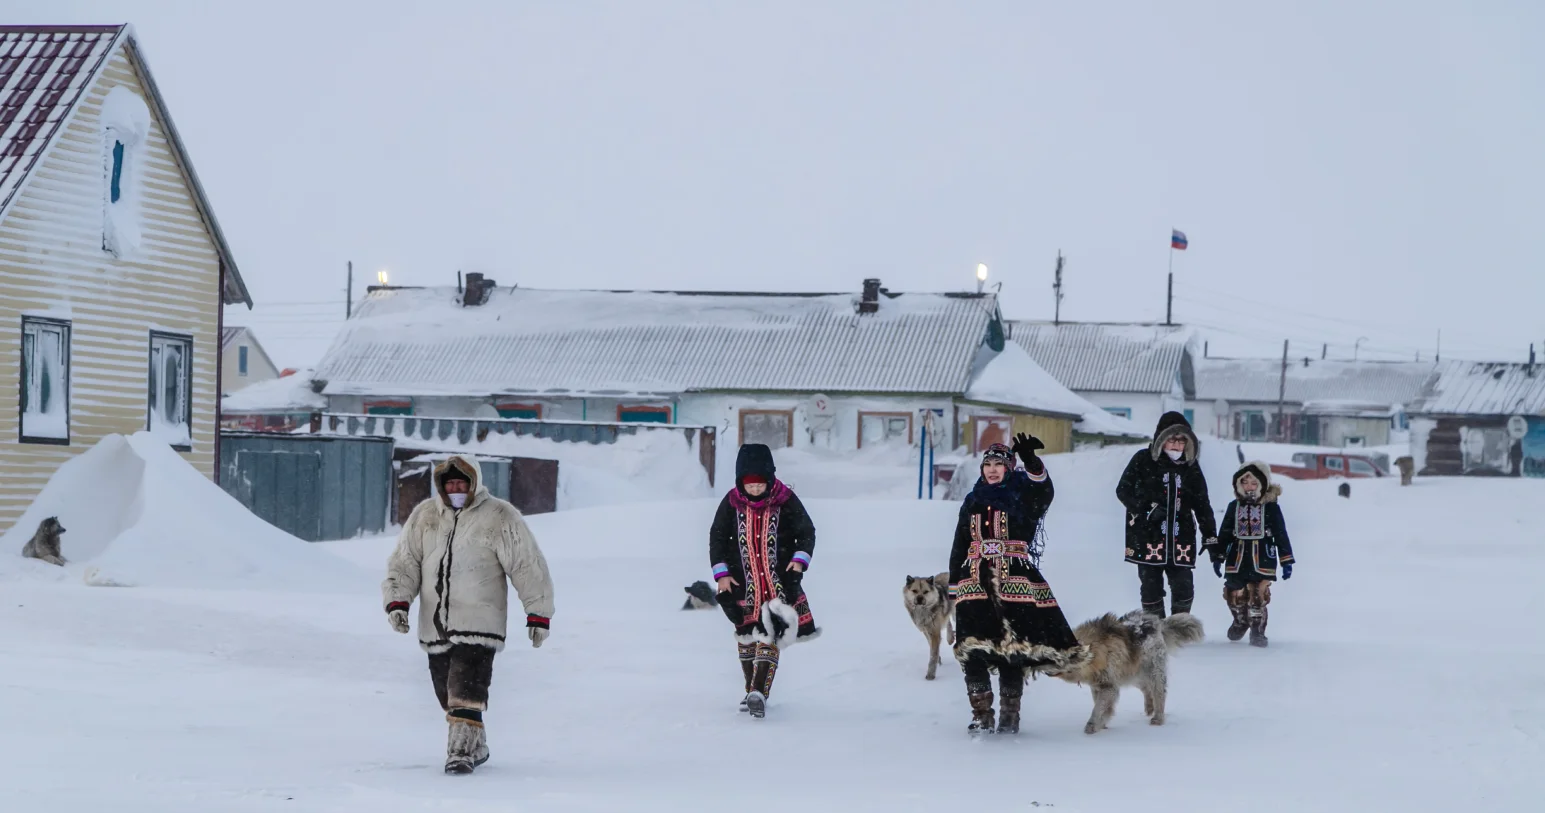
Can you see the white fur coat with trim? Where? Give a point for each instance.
(456, 563)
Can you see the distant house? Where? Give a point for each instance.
(1136, 371)
(1481, 418)
(113, 271)
(836, 371)
(280, 404)
(243, 362)
(1326, 403)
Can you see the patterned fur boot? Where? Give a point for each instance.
(467, 745)
(1241, 611)
(1260, 597)
(747, 657)
(765, 668)
(981, 713)
(1008, 708)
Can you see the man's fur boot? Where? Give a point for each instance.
(764, 670)
(1179, 606)
(1240, 608)
(467, 745)
(1155, 608)
(1260, 597)
(1008, 707)
(747, 667)
(981, 712)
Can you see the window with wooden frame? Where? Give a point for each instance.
(389, 407)
(775, 428)
(987, 430)
(44, 389)
(880, 428)
(513, 410)
(644, 415)
(170, 399)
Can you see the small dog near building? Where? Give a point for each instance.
(1130, 651)
(932, 610)
(44, 544)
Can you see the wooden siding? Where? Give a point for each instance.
(1055, 433)
(52, 261)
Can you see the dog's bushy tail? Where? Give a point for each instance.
(1182, 629)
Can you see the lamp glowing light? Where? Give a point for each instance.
(381, 276)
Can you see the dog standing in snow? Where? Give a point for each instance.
(932, 610)
(44, 544)
(1130, 651)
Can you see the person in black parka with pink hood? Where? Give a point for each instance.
(760, 545)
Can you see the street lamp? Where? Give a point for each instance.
(1360, 341)
(981, 276)
(381, 276)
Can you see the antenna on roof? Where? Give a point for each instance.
(348, 294)
(1056, 318)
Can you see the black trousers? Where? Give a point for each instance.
(978, 672)
(462, 675)
(1180, 581)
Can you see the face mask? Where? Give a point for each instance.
(458, 500)
(1174, 455)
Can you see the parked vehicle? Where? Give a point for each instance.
(1323, 465)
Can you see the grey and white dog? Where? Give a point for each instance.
(44, 545)
(932, 610)
(1130, 651)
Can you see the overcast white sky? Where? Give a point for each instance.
(1343, 169)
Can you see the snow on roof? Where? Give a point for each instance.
(228, 335)
(1110, 357)
(44, 72)
(1013, 379)
(414, 342)
(286, 394)
(1258, 380)
(1484, 388)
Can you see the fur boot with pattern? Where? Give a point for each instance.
(466, 745)
(1008, 706)
(981, 712)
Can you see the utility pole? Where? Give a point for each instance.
(1169, 300)
(1282, 395)
(348, 296)
(1438, 355)
(1056, 318)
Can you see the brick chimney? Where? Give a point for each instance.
(869, 303)
(477, 289)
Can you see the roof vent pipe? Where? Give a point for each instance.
(869, 303)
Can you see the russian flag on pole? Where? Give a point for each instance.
(1177, 239)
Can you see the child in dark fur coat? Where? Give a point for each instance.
(1252, 544)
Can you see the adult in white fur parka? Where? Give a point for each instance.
(454, 554)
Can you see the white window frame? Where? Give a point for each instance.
(156, 387)
(1124, 412)
(32, 329)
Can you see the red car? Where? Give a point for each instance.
(1323, 465)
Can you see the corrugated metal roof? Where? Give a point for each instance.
(1109, 357)
(1484, 388)
(534, 342)
(1257, 380)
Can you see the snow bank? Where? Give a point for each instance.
(290, 393)
(137, 514)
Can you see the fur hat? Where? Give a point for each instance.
(1262, 472)
(1000, 453)
(1173, 425)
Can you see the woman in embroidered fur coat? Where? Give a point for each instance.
(1251, 545)
(1006, 619)
(454, 555)
(1166, 503)
(760, 546)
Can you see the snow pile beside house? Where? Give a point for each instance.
(1013, 379)
(137, 514)
(288, 393)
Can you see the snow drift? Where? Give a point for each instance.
(135, 513)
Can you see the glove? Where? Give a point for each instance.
(1287, 571)
(1217, 567)
(538, 635)
(398, 618)
(1025, 447)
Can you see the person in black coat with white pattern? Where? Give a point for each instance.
(1165, 496)
(1252, 547)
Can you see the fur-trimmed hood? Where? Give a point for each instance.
(1171, 425)
(468, 467)
(1270, 491)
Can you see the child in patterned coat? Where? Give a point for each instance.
(1252, 544)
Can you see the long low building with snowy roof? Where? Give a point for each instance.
(836, 370)
(1481, 418)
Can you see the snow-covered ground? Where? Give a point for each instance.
(1405, 672)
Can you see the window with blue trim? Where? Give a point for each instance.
(116, 187)
(1124, 412)
(644, 415)
(531, 412)
(241, 360)
(1190, 416)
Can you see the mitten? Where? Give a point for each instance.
(1217, 567)
(397, 616)
(1287, 571)
(537, 628)
(1025, 447)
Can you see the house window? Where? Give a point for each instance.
(45, 381)
(389, 407)
(115, 183)
(1189, 414)
(1124, 412)
(644, 415)
(527, 411)
(1252, 425)
(775, 428)
(241, 360)
(991, 429)
(125, 122)
(879, 429)
(171, 389)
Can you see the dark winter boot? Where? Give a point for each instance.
(1258, 626)
(467, 745)
(747, 667)
(1178, 605)
(1008, 706)
(1241, 611)
(764, 670)
(1155, 608)
(981, 713)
